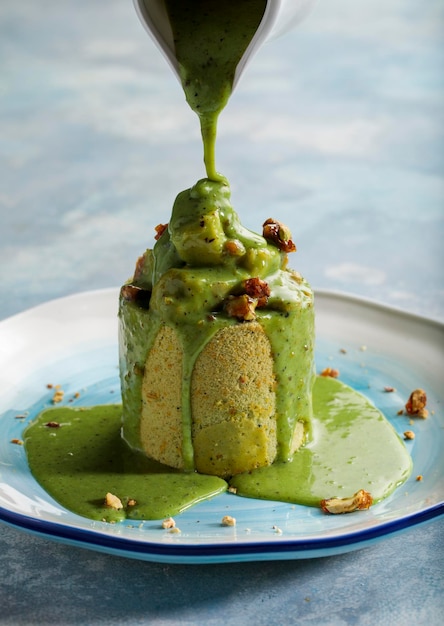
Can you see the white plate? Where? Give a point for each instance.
(73, 342)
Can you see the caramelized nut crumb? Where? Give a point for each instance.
(389, 389)
(132, 293)
(258, 289)
(330, 372)
(113, 502)
(360, 500)
(18, 442)
(416, 403)
(227, 520)
(409, 434)
(58, 395)
(277, 233)
(243, 307)
(169, 523)
(160, 229)
(234, 247)
(138, 270)
(419, 477)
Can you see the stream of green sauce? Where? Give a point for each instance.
(210, 38)
(183, 282)
(354, 448)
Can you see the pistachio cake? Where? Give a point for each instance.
(216, 342)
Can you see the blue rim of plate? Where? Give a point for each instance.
(218, 553)
(207, 551)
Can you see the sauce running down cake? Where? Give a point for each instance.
(216, 342)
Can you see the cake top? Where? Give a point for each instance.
(205, 263)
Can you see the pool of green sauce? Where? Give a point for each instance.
(79, 462)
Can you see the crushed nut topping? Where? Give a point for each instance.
(132, 293)
(113, 502)
(330, 372)
(388, 389)
(160, 229)
(227, 520)
(243, 307)
(129, 292)
(234, 247)
(277, 233)
(19, 442)
(258, 289)
(131, 502)
(169, 523)
(52, 425)
(416, 403)
(138, 270)
(360, 500)
(58, 395)
(419, 477)
(409, 434)
(232, 489)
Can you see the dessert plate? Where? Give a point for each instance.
(72, 342)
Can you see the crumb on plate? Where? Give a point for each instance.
(113, 502)
(360, 500)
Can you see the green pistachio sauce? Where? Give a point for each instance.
(210, 38)
(203, 257)
(354, 448)
(85, 458)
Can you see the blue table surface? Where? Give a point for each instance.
(336, 129)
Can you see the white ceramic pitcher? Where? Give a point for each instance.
(280, 16)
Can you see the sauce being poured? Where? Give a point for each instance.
(179, 283)
(210, 38)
